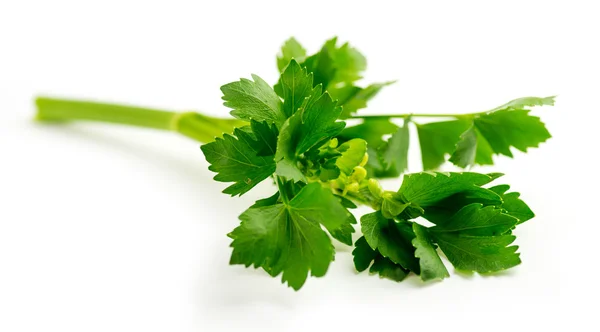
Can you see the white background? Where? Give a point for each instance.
(106, 228)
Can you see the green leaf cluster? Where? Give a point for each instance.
(472, 227)
(295, 134)
(336, 69)
(476, 138)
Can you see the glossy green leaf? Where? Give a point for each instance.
(388, 269)
(481, 254)
(392, 239)
(429, 188)
(296, 86)
(477, 220)
(288, 237)
(364, 255)
(430, 263)
(513, 204)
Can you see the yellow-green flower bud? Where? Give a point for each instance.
(375, 188)
(333, 143)
(359, 173)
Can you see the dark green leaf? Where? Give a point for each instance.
(296, 86)
(237, 160)
(266, 201)
(388, 269)
(430, 262)
(476, 220)
(473, 239)
(444, 209)
(392, 239)
(288, 238)
(265, 138)
(478, 253)
(318, 203)
(428, 188)
(364, 255)
(274, 238)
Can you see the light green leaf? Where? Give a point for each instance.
(503, 129)
(353, 98)
(349, 63)
(466, 149)
(521, 103)
(391, 206)
(512, 204)
(253, 100)
(291, 49)
(394, 154)
(438, 139)
(322, 64)
(371, 130)
(333, 65)
(353, 152)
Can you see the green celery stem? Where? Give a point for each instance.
(194, 125)
(50, 109)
